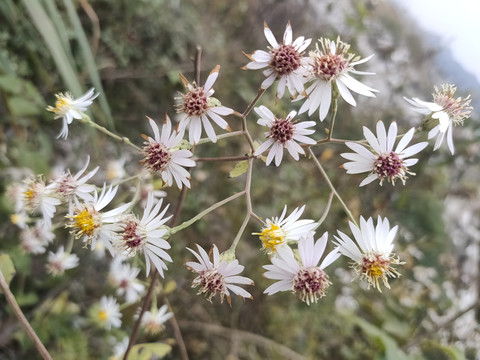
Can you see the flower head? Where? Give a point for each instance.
(124, 278)
(60, 261)
(304, 277)
(37, 197)
(146, 235)
(68, 108)
(162, 155)
(445, 110)
(283, 62)
(372, 254)
(280, 230)
(34, 239)
(153, 321)
(198, 107)
(107, 313)
(282, 134)
(90, 224)
(218, 277)
(381, 161)
(330, 65)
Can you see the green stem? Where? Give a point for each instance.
(86, 120)
(222, 136)
(334, 107)
(332, 188)
(204, 212)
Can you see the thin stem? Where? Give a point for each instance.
(187, 223)
(224, 158)
(254, 101)
(23, 320)
(222, 136)
(198, 57)
(327, 208)
(86, 120)
(146, 302)
(177, 333)
(334, 107)
(332, 188)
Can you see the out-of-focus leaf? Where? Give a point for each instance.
(146, 351)
(7, 268)
(22, 107)
(239, 169)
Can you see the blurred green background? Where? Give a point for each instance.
(132, 52)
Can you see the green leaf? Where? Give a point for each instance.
(7, 268)
(239, 169)
(146, 351)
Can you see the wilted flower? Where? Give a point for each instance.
(282, 134)
(372, 255)
(283, 62)
(123, 277)
(381, 161)
(162, 155)
(153, 321)
(107, 313)
(330, 67)
(146, 235)
(68, 108)
(304, 277)
(219, 276)
(280, 230)
(60, 261)
(446, 111)
(198, 107)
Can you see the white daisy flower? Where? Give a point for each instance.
(68, 108)
(115, 169)
(381, 161)
(372, 254)
(37, 197)
(280, 230)
(331, 65)
(283, 62)
(162, 155)
(283, 132)
(123, 277)
(146, 235)
(305, 276)
(119, 349)
(199, 107)
(35, 239)
(107, 313)
(219, 276)
(153, 321)
(60, 261)
(89, 224)
(446, 110)
(72, 188)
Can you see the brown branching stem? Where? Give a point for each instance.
(177, 333)
(23, 320)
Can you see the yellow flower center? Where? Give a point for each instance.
(272, 237)
(102, 315)
(85, 223)
(29, 194)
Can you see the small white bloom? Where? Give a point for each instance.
(119, 349)
(89, 224)
(162, 155)
(280, 230)
(372, 255)
(72, 188)
(146, 235)
(35, 239)
(199, 107)
(37, 197)
(68, 108)
(304, 277)
(283, 62)
(219, 276)
(381, 161)
(283, 132)
(329, 66)
(115, 169)
(60, 261)
(153, 321)
(107, 313)
(446, 110)
(123, 277)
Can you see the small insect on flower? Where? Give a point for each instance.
(284, 62)
(67, 108)
(163, 155)
(305, 277)
(198, 107)
(330, 66)
(280, 230)
(381, 161)
(445, 111)
(283, 133)
(372, 255)
(218, 277)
